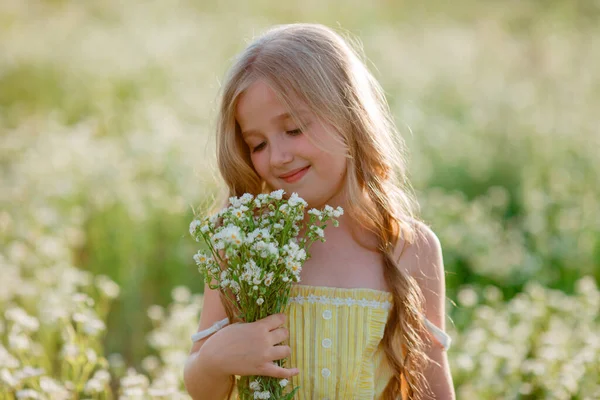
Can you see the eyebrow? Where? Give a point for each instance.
(280, 117)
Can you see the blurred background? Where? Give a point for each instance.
(107, 145)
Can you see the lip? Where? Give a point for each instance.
(294, 175)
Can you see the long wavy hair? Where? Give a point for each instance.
(316, 65)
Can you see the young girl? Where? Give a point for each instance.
(301, 112)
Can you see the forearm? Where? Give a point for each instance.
(203, 384)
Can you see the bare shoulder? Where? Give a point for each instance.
(423, 260)
(417, 257)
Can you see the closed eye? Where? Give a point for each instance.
(294, 132)
(258, 148)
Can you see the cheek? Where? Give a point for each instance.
(340, 167)
(258, 161)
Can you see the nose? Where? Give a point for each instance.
(281, 153)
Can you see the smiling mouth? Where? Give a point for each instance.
(294, 177)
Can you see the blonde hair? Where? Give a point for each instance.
(314, 64)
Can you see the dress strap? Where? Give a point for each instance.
(442, 337)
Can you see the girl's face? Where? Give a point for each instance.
(278, 148)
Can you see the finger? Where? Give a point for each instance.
(278, 335)
(279, 372)
(274, 321)
(280, 352)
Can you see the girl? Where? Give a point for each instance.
(301, 112)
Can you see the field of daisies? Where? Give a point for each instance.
(107, 148)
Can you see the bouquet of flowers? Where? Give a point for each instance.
(255, 254)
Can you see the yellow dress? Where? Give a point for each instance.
(335, 337)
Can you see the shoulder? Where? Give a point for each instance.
(423, 260)
(422, 254)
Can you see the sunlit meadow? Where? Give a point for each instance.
(106, 146)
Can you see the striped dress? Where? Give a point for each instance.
(335, 337)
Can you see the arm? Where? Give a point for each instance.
(423, 260)
(199, 378)
(242, 349)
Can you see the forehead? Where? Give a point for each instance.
(259, 105)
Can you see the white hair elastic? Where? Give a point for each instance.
(207, 332)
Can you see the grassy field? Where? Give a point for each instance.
(107, 143)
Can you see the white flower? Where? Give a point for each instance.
(239, 211)
(295, 268)
(93, 386)
(27, 394)
(107, 286)
(300, 255)
(103, 375)
(283, 382)
(18, 341)
(258, 233)
(193, 226)
(200, 258)
(30, 372)
(70, 350)
(21, 318)
(91, 355)
(260, 301)
(272, 248)
(7, 378)
(254, 385)
(246, 198)
(231, 234)
(235, 202)
(315, 212)
(295, 200)
(234, 286)
(269, 279)
(93, 326)
(218, 244)
(318, 231)
(338, 212)
(181, 294)
(277, 194)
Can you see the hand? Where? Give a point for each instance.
(250, 348)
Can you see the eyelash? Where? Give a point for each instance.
(294, 132)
